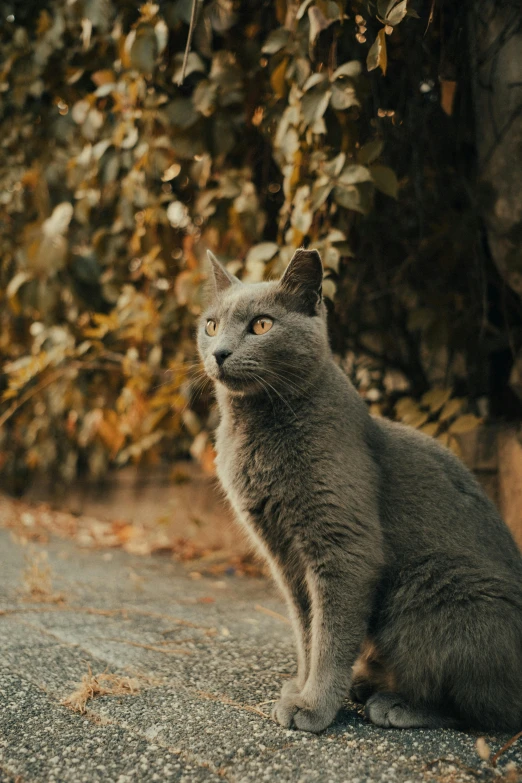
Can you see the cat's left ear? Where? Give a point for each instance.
(221, 278)
(303, 277)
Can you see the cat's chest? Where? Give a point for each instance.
(258, 472)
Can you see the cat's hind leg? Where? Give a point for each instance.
(370, 673)
(390, 710)
(453, 636)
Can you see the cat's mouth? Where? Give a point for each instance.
(238, 383)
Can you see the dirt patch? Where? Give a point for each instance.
(207, 554)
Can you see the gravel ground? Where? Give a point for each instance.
(206, 656)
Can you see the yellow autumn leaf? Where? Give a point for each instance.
(277, 79)
(464, 424)
(404, 405)
(415, 419)
(451, 408)
(377, 56)
(435, 399)
(430, 428)
(455, 446)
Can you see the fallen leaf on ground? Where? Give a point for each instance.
(37, 580)
(104, 684)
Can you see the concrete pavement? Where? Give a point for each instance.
(206, 656)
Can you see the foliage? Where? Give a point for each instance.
(115, 178)
(439, 415)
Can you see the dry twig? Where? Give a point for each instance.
(505, 747)
(271, 613)
(193, 19)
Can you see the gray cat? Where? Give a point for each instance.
(402, 581)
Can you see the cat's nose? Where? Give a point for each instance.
(221, 355)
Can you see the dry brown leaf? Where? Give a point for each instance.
(104, 684)
(277, 79)
(377, 56)
(37, 579)
(447, 95)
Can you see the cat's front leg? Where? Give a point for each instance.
(298, 602)
(340, 608)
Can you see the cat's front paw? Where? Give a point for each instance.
(285, 707)
(293, 710)
(316, 720)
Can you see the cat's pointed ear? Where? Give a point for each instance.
(220, 278)
(303, 277)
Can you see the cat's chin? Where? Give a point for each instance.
(239, 387)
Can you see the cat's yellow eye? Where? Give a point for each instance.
(262, 325)
(211, 327)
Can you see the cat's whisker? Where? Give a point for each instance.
(290, 385)
(260, 380)
(281, 397)
(202, 384)
(186, 367)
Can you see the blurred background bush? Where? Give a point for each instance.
(387, 134)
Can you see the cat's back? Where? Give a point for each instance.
(430, 499)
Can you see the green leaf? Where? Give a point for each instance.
(397, 13)
(334, 167)
(383, 6)
(354, 173)
(385, 180)
(319, 196)
(320, 22)
(370, 151)
(302, 9)
(204, 97)
(144, 50)
(276, 41)
(194, 65)
(331, 257)
(314, 80)
(181, 112)
(353, 197)
(264, 251)
(14, 284)
(314, 104)
(351, 69)
(343, 97)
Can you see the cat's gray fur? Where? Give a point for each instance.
(372, 530)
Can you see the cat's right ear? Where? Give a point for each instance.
(303, 279)
(219, 277)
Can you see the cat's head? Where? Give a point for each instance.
(257, 336)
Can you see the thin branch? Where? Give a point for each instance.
(505, 747)
(47, 382)
(271, 613)
(193, 19)
(27, 396)
(430, 18)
